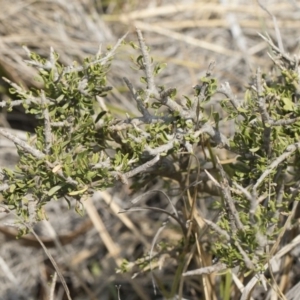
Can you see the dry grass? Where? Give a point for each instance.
(187, 35)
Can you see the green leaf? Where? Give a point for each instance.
(173, 93)
(253, 150)
(133, 45)
(158, 68)
(288, 104)
(12, 188)
(100, 115)
(53, 190)
(75, 193)
(79, 208)
(143, 80)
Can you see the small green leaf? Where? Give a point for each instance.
(75, 193)
(158, 68)
(52, 191)
(173, 93)
(12, 188)
(100, 115)
(253, 150)
(79, 208)
(143, 80)
(133, 45)
(288, 104)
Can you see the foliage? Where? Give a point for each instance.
(80, 147)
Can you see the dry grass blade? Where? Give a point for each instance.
(293, 293)
(239, 284)
(212, 179)
(53, 284)
(111, 246)
(67, 260)
(53, 263)
(203, 7)
(7, 271)
(123, 218)
(58, 271)
(283, 251)
(186, 39)
(151, 253)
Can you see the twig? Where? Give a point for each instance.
(47, 124)
(143, 167)
(217, 137)
(226, 90)
(247, 260)
(36, 153)
(173, 106)
(261, 99)
(264, 114)
(171, 215)
(201, 89)
(102, 60)
(278, 35)
(112, 52)
(283, 122)
(277, 50)
(161, 149)
(151, 88)
(232, 211)
(288, 152)
(252, 201)
(217, 228)
(206, 270)
(140, 105)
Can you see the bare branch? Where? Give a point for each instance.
(26, 147)
(217, 228)
(143, 167)
(140, 105)
(226, 90)
(288, 152)
(206, 270)
(151, 88)
(231, 209)
(47, 125)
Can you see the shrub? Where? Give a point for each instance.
(80, 147)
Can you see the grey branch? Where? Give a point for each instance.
(288, 152)
(143, 167)
(140, 105)
(36, 153)
(215, 135)
(232, 211)
(206, 270)
(161, 149)
(217, 228)
(47, 125)
(151, 88)
(226, 90)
